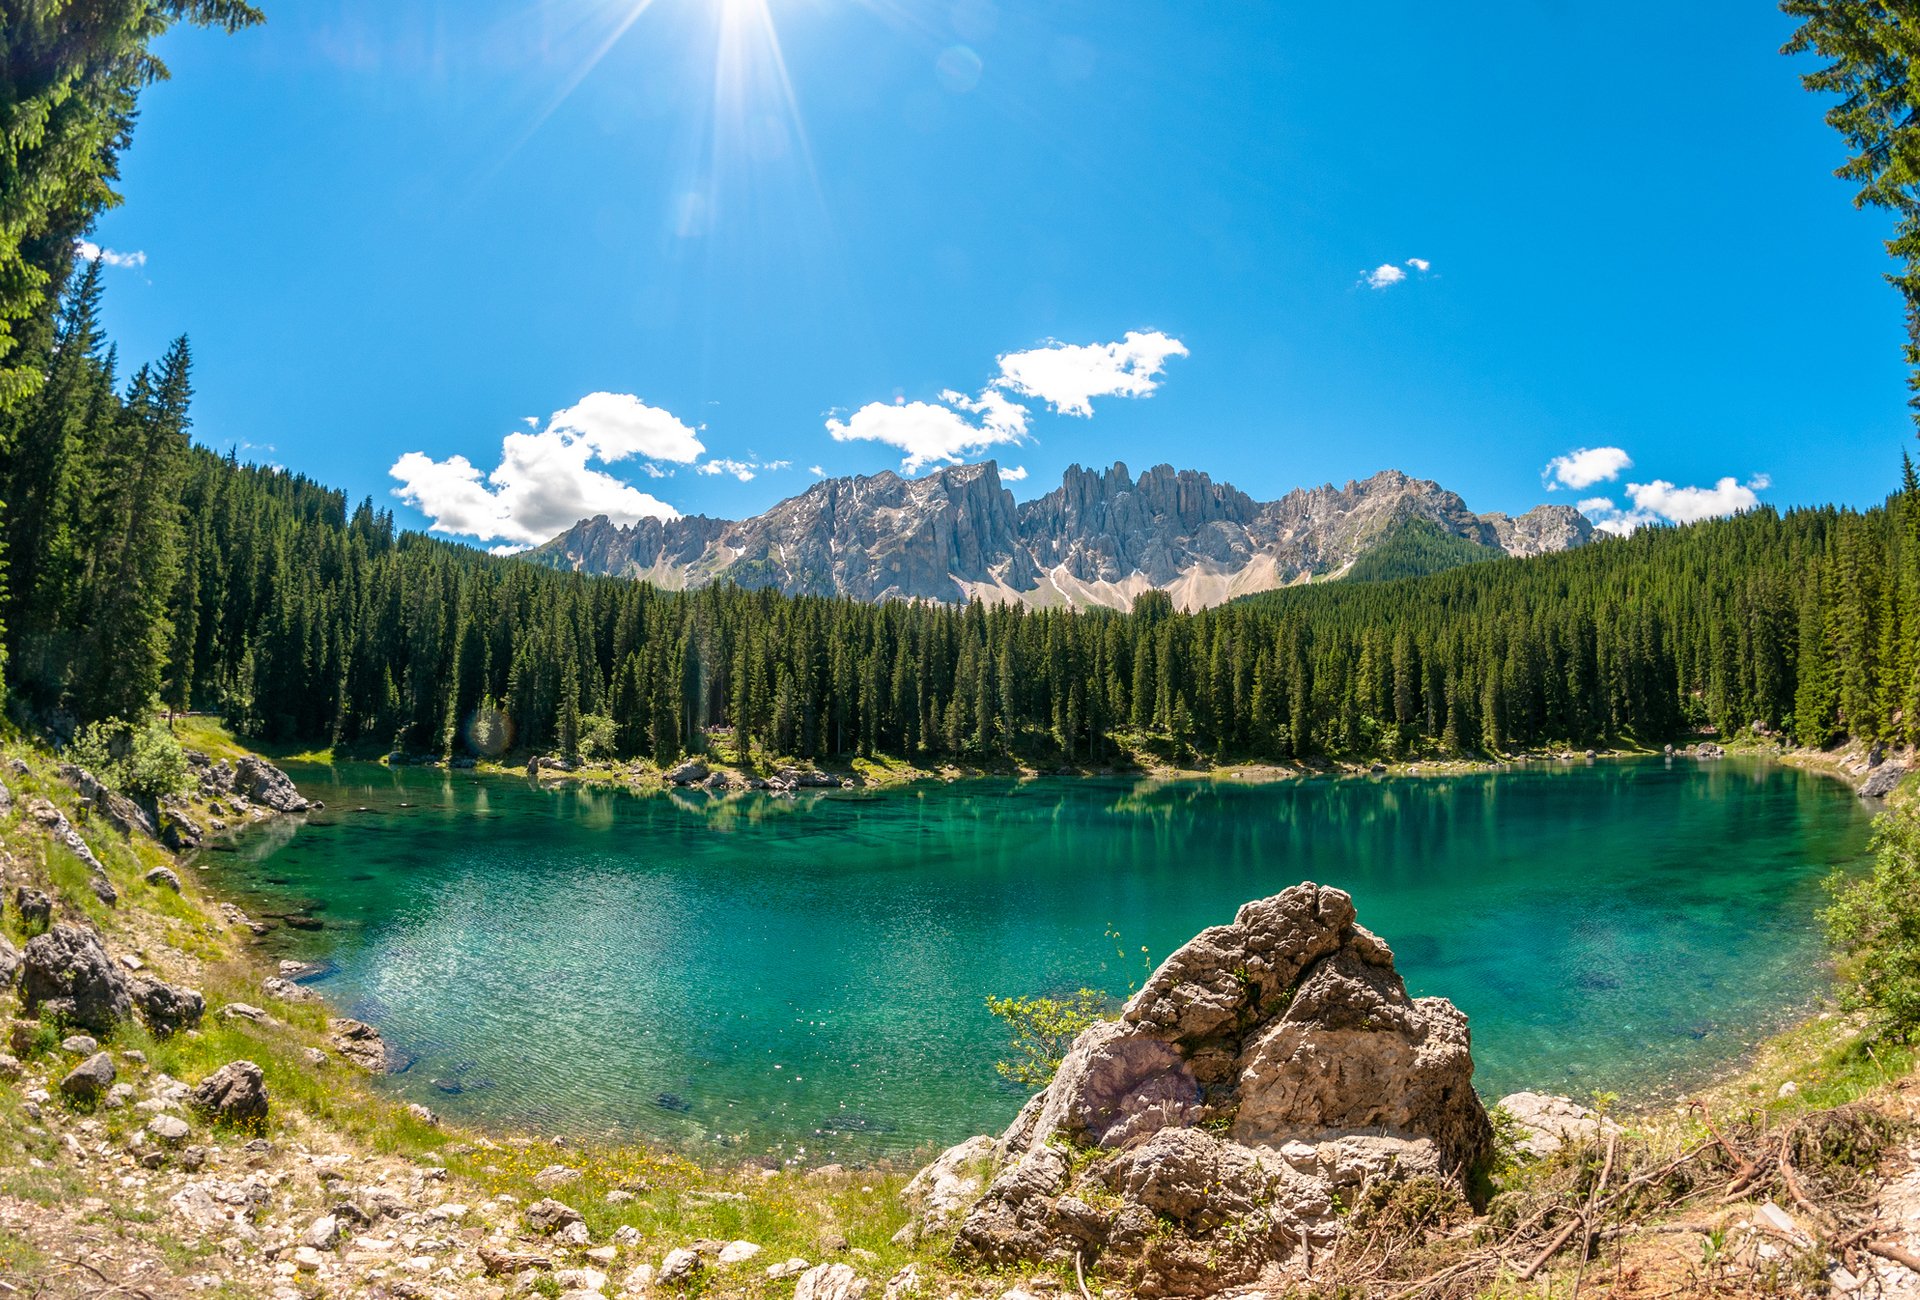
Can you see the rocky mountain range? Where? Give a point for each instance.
(1101, 538)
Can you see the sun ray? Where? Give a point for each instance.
(622, 25)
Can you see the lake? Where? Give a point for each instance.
(804, 977)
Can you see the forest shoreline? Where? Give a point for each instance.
(1845, 763)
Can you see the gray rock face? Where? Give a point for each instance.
(236, 1093)
(166, 1009)
(1882, 781)
(1100, 538)
(56, 825)
(9, 964)
(1269, 1069)
(125, 815)
(267, 785)
(66, 973)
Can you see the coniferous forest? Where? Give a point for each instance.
(146, 569)
(143, 571)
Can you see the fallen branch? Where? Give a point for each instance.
(1898, 1254)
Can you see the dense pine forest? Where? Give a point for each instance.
(145, 570)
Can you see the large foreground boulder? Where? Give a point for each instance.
(66, 973)
(1270, 1071)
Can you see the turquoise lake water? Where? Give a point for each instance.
(805, 977)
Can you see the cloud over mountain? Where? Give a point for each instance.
(546, 479)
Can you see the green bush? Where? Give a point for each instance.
(1876, 923)
(145, 762)
(1042, 1029)
(599, 736)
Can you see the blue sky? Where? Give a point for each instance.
(712, 232)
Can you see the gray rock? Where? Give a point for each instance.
(121, 812)
(166, 1009)
(266, 784)
(164, 878)
(35, 908)
(287, 991)
(1266, 1064)
(322, 1233)
(66, 973)
(360, 1044)
(550, 1216)
(1882, 781)
(830, 1282)
(55, 823)
(90, 1079)
(80, 1045)
(944, 1191)
(180, 832)
(691, 772)
(236, 1093)
(679, 1265)
(9, 963)
(170, 1129)
(1545, 1123)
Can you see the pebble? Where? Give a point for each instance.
(308, 1260)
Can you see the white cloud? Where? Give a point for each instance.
(1420, 264)
(1383, 276)
(544, 482)
(1069, 376)
(1661, 502)
(816, 471)
(744, 470)
(1015, 474)
(928, 433)
(92, 252)
(1689, 505)
(1584, 467)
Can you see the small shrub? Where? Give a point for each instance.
(1876, 923)
(599, 737)
(1041, 1030)
(145, 762)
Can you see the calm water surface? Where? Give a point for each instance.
(805, 976)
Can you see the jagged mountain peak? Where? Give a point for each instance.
(1100, 538)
